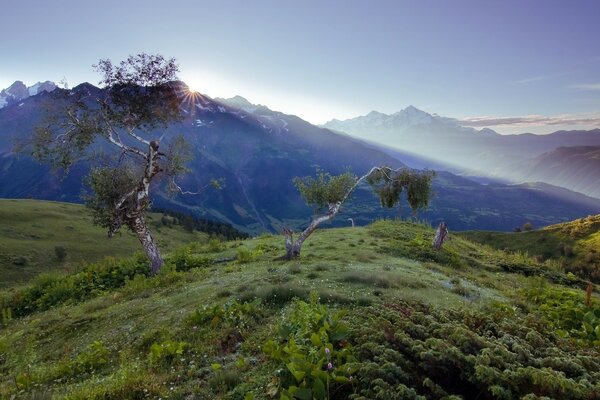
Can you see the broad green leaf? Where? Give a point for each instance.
(319, 389)
(303, 394)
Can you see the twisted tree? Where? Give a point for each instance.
(327, 193)
(123, 122)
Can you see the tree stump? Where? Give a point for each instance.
(440, 236)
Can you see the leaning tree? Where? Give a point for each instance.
(120, 128)
(328, 192)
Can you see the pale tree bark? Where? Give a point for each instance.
(139, 226)
(129, 210)
(440, 236)
(292, 249)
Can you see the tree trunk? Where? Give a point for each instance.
(292, 249)
(440, 236)
(145, 237)
(289, 244)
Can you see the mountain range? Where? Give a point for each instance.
(467, 151)
(258, 151)
(18, 91)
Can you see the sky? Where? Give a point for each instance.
(511, 65)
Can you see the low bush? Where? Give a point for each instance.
(53, 289)
(166, 353)
(313, 348)
(567, 311)
(410, 350)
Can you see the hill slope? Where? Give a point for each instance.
(576, 168)
(574, 245)
(418, 324)
(31, 229)
(258, 153)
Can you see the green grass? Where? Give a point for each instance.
(570, 247)
(31, 229)
(413, 317)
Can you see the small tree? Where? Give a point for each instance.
(139, 97)
(328, 193)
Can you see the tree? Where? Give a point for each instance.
(140, 97)
(328, 193)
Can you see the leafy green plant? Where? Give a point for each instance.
(567, 312)
(313, 347)
(166, 352)
(52, 289)
(184, 260)
(414, 351)
(245, 255)
(239, 314)
(215, 246)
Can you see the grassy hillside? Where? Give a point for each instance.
(31, 229)
(366, 313)
(573, 246)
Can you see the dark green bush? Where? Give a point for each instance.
(60, 252)
(52, 289)
(425, 353)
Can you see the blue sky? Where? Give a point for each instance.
(516, 66)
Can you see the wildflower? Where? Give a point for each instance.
(329, 366)
(327, 350)
(351, 378)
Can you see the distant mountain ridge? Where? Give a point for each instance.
(465, 150)
(257, 151)
(575, 167)
(18, 91)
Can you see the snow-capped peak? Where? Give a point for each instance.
(18, 91)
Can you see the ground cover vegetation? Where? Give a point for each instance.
(365, 313)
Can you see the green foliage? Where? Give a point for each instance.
(325, 189)
(95, 357)
(166, 353)
(414, 245)
(60, 252)
(215, 246)
(6, 314)
(245, 255)
(388, 184)
(91, 360)
(276, 295)
(108, 184)
(313, 347)
(237, 314)
(527, 227)
(184, 260)
(424, 353)
(50, 290)
(566, 311)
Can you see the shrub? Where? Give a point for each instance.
(60, 252)
(215, 246)
(245, 255)
(166, 353)
(48, 290)
(410, 350)
(527, 227)
(567, 312)
(184, 260)
(313, 348)
(238, 314)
